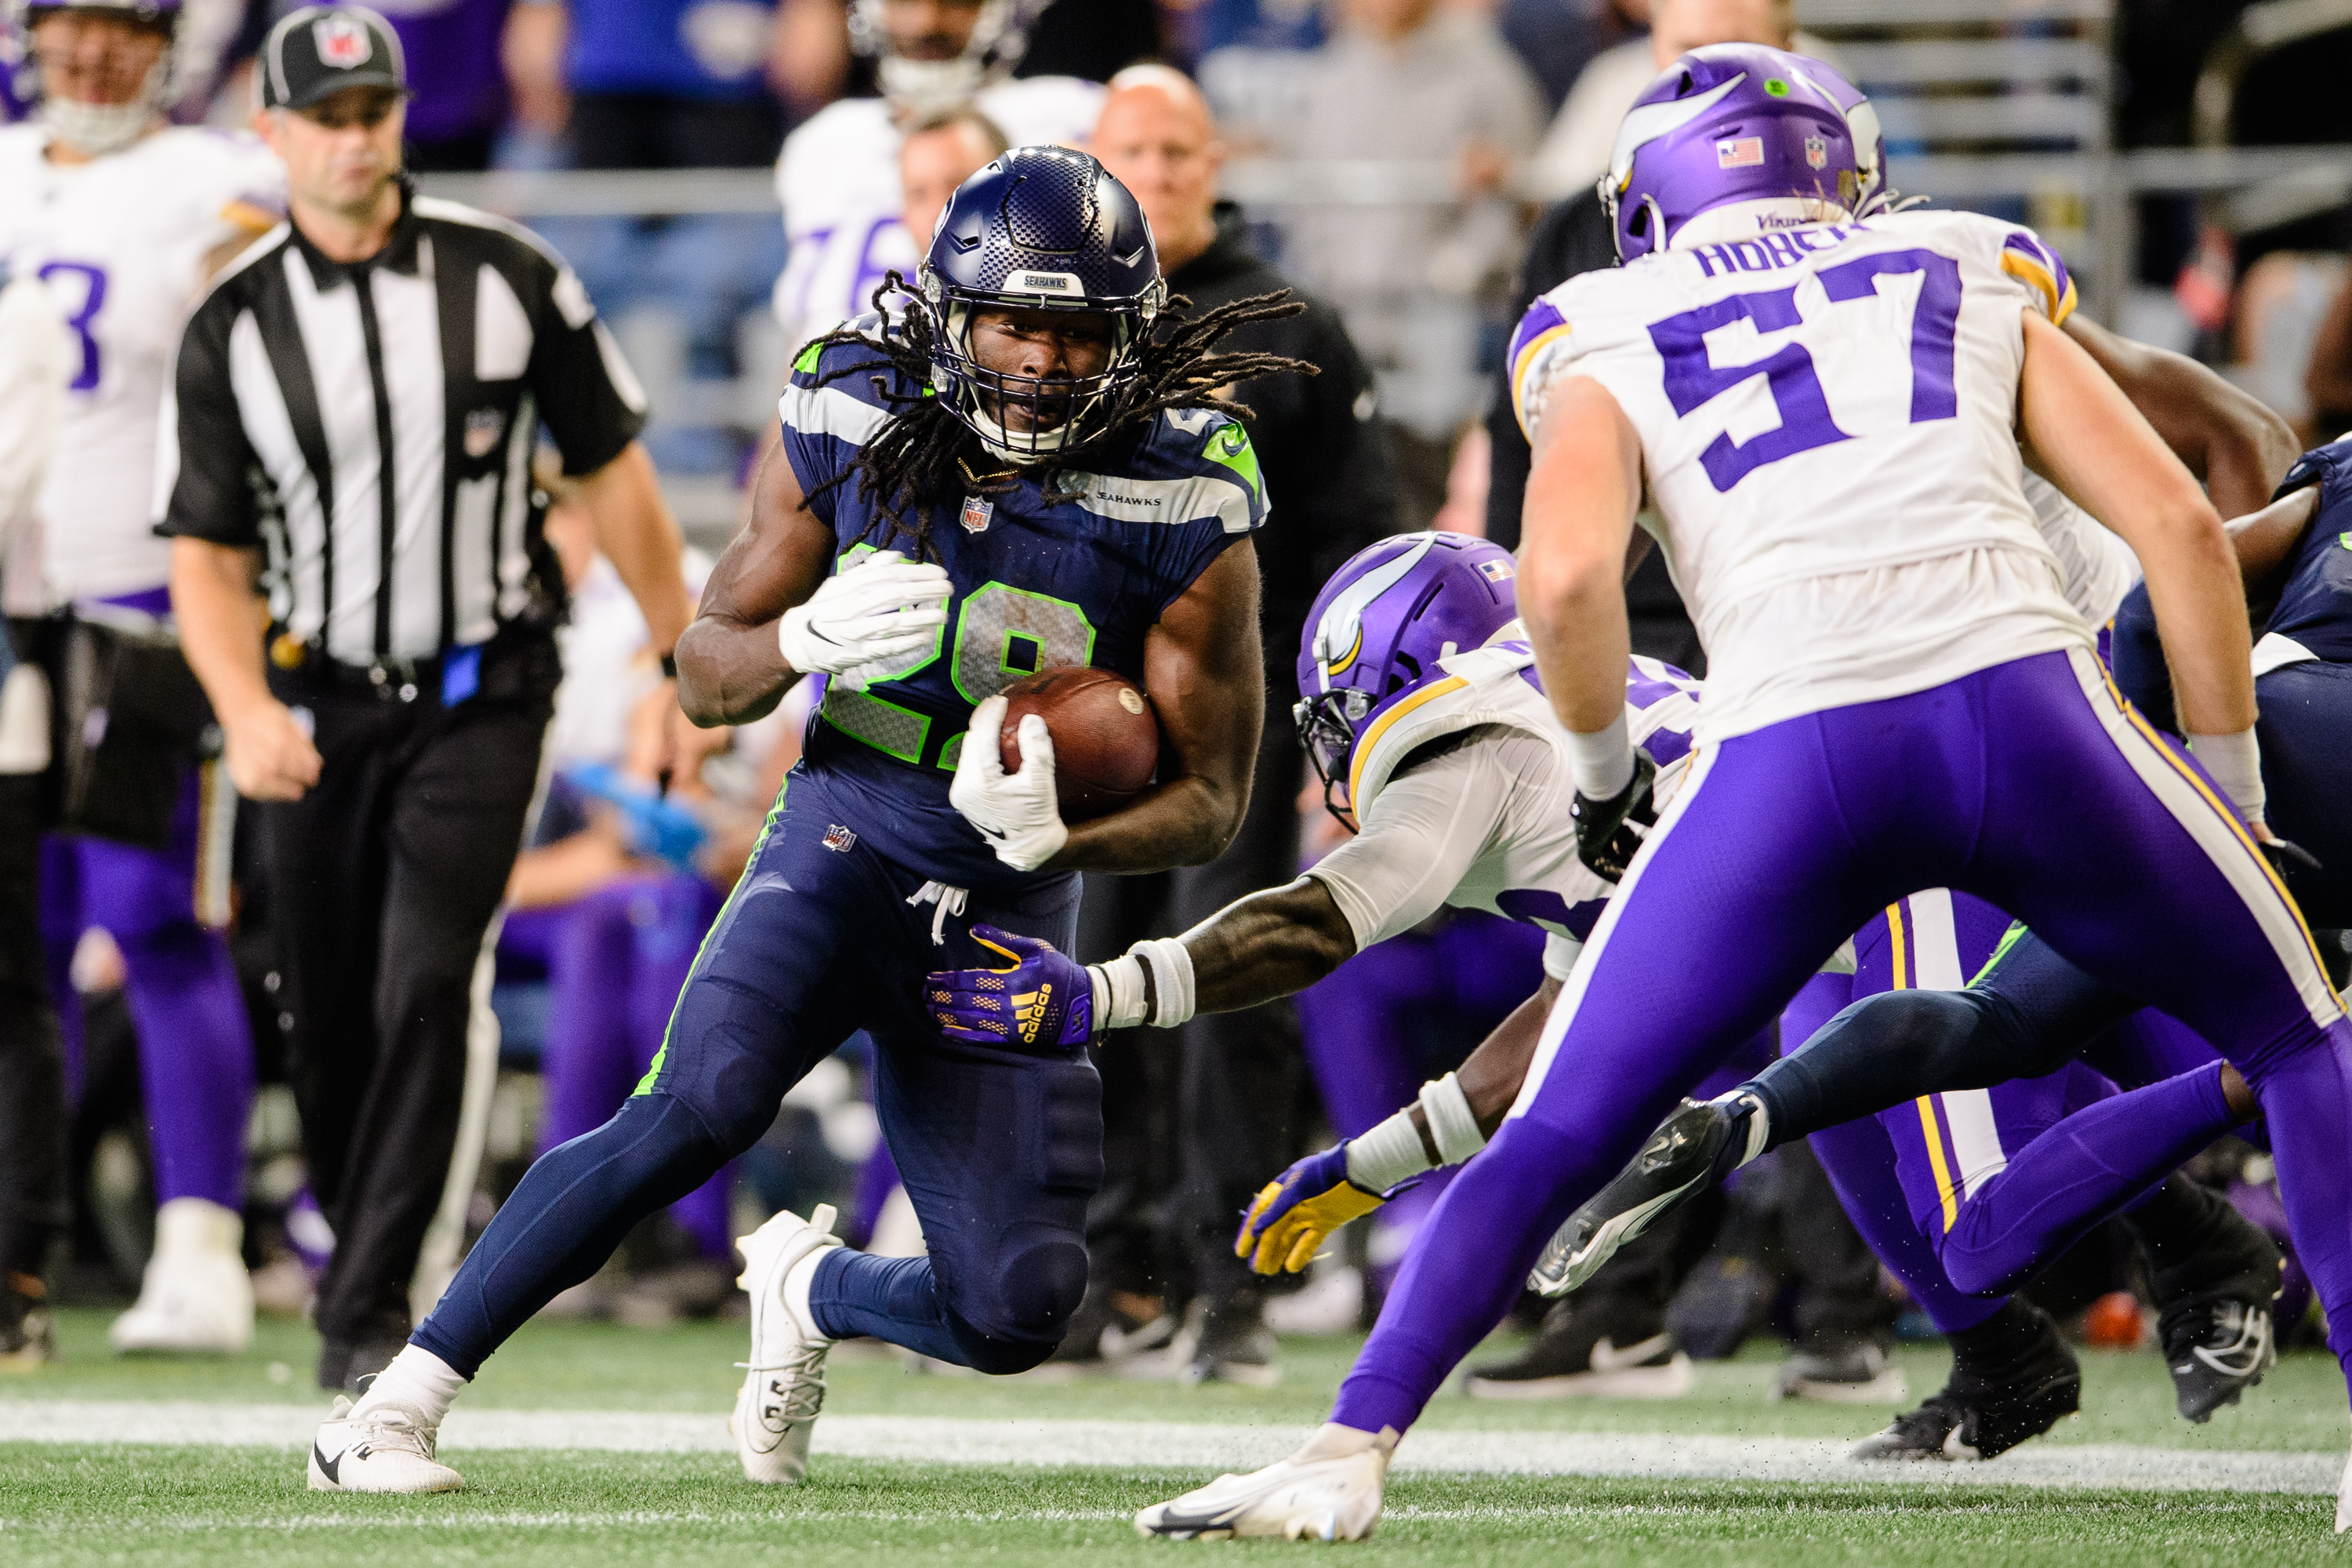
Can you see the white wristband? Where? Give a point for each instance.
(1601, 764)
(1118, 993)
(1390, 1153)
(1451, 1123)
(1171, 979)
(2235, 763)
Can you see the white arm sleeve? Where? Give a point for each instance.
(1560, 953)
(1422, 835)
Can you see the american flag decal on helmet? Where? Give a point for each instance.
(1740, 153)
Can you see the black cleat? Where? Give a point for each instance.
(1590, 1350)
(2215, 1353)
(2013, 1378)
(2213, 1307)
(1702, 1143)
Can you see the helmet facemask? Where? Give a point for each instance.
(1327, 729)
(95, 130)
(1061, 413)
(923, 87)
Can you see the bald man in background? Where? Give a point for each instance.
(1240, 1080)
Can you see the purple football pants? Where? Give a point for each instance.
(196, 1042)
(2027, 785)
(1366, 1031)
(615, 961)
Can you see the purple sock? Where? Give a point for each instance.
(195, 1062)
(1465, 1269)
(2084, 1169)
(196, 1042)
(1858, 1160)
(2306, 1088)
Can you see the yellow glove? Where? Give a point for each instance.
(1286, 1224)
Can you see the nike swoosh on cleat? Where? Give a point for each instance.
(1607, 1357)
(1174, 1523)
(327, 1467)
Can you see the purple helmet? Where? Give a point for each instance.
(1376, 633)
(1757, 136)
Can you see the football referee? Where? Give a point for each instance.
(358, 396)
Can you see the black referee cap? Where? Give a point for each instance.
(320, 50)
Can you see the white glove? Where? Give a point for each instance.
(868, 623)
(1016, 813)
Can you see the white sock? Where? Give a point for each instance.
(417, 1377)
(1333, 1441)
(797, 1281)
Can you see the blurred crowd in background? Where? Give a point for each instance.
(1483, 121)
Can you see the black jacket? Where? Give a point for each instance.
(1320, 444)
(1572, 237)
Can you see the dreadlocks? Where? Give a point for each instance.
(920, 455)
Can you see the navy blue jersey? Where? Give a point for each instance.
(2314, 607)
(1078, 576)
(2315, 604)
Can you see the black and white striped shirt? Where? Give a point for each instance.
(372, 424)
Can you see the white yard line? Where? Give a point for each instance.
(1124, 1445)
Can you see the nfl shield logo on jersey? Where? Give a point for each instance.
(839, 839)
(483, 428)
(1817, 153)
(976, 513)
(342, 43)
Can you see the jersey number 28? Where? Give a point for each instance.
(1692, 379)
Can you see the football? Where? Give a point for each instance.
(1106, 736)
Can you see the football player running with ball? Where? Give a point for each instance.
(1900, 696)
(1027, 468)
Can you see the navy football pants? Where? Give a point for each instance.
(999, 1151)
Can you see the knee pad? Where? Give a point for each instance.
(719, 1060)
(1009, 1315)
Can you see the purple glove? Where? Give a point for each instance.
(1041, 999)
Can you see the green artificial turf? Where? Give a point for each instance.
(67, 1507)
(75, 1504)
(558, 1365)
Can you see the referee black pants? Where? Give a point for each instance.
(382, 882)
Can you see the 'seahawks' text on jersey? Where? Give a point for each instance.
(1075, 577)
(1827, 418)
(122, 243)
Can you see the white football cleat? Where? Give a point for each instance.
(783, 1383)
(383, 1448)
(1328, 1490)
(196, 1298)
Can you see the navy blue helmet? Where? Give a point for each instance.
(1041, 228)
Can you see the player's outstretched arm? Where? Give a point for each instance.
(1202, 665)
(1451, 1120)
(2225, 436)
(2096, 447)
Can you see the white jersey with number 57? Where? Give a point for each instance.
(1827, 419)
